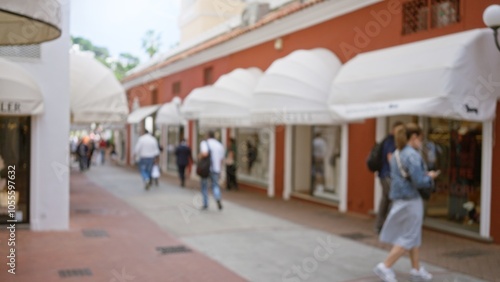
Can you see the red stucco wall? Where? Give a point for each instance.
(360, 194)
(279, 184)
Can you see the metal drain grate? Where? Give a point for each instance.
(173, 250)
(355, 236)
(94, 233)
(463, 254)
(75, 272)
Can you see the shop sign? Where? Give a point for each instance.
(9, 107)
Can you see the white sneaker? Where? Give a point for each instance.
(420, 275)
(385, 273)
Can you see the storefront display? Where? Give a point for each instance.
(15, 167)
(252, 155)
(174, 136)
(325, 161)
(454, 147)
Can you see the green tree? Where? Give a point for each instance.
(120, 66)
(151, 42)
(125, 62)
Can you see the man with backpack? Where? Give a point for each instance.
(211, 150)
(387, 147)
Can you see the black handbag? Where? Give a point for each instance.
(203, 165)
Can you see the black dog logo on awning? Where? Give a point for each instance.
(471, 110)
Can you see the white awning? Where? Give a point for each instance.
(454, 76)
(29, 22)
(20, 95)
(142, 113)
(231, 101)
(96, 94)
(295, 89)
(169, 113)
(194, 101)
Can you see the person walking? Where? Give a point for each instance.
(146, 150)
(212, 148)
(183, 158)
(231, 167)
(403, 226)
(156, 172)
(91, 145)
(82, 151)
(384, 175)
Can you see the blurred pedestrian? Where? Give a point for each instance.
(231, 167)
(155, 171)
(183, 158)
(83, 153)
(384, 175)
(212, 148)
(403, 226)
(146, 150)
(91, 146)
(102, 149)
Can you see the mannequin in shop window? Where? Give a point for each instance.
(251, 154)
(465, 174)
(319, 154)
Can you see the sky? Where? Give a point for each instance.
(120, 25)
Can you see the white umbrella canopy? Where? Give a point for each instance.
(96, 94)
(19, 92)
(295, 89)
(29, 22)
(231, 101)
(169, 113)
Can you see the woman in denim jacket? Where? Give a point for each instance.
(403, 227)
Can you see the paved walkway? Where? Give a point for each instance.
(119, 232)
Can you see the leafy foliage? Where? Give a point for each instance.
(119, 66)
(151, 42)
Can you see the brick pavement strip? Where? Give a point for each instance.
(128, 253)
(436, 248)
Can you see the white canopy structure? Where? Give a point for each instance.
(19, 19)
(19, 92)
(193, 103)
(231, 99)
(169, 113)
(141, 113)
(295, 89)
(454, 76)
(96, 94)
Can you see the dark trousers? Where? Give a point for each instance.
(385, 203)
(83, 163)
(182, 173)
(231, 177)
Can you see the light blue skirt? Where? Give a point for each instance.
(403, 226)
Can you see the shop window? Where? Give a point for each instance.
(208, 76)
(325, 160)
(252, 155)
(421, 15)
(176, 88)
(15, 167)
(174, 136)
(454, 147)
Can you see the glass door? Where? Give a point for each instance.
(15, 144)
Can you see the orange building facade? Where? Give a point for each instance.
(376, 25)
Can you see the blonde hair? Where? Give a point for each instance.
(403, 133)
